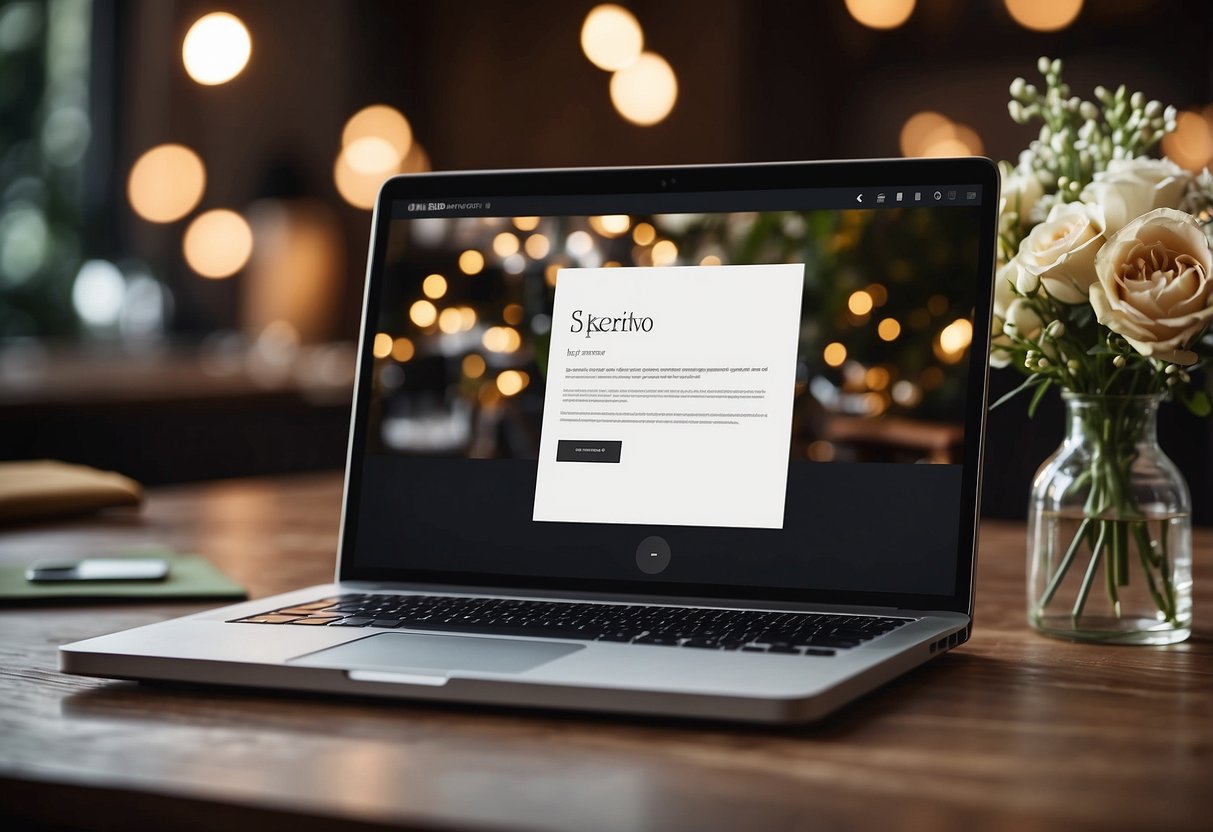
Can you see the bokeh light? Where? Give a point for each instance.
(665, 253)
(611, 37)
(450, 321)
(357, 188)
(166, 183)
(954, 339)
(645, 92)
(434, 286)
(881, 14)
(381, 347)
(537, 246)
(1044, 15)
(471, 262)
(888, 329)
(218, 243)
(473, 366)
(860, 303)
(216, 48)
(834, 354)
(611, 225)
(376, 143)
(505, 244)
(403, 349)
(511, 382)
(1191, 145)
(379, 121)
(644, 234)
(932, 134)
(423, 313)
(98, 293)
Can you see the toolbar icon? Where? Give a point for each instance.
(899, 196)
(938, 195)
(879, 199)
(918, 196)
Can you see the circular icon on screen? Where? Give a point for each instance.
(653, 555)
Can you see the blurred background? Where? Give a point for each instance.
(185, 187)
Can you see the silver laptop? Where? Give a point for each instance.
(697, 442)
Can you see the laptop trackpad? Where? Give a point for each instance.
(412, 652)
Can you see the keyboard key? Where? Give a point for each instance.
(386, 622)
(817, 651)
(352, 621)
(269, 618)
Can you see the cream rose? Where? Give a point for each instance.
(1061, 250)
(1131, 187)
(1154, 285)
(1020, 192)
(1004, 296)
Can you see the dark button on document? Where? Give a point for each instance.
(573, 450)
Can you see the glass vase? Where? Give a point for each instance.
(1109, 529)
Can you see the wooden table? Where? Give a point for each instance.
(1013, 731)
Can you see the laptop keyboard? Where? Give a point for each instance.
(704, 628)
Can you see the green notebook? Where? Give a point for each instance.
(189, 576)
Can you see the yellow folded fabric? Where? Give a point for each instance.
(46, 488)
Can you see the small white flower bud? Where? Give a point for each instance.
(1017, 87)
(1172, 369)
(1153, 108)
(1184, 377)
(1026, 283)
(1043, 363)
(1119, 361)
(1055, 67)
(1055, 329)
(1137, 101)
(1073, 365)
(1088, 111)
(1170, 114)
(1042, 65)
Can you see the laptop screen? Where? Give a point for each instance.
(767, 383)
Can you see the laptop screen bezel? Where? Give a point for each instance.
(685, 180)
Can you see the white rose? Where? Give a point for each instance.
(1004, 296)
(1023, 321)
(1131, 187)
(1154, 285)
(1020, 191)
(1061, 250)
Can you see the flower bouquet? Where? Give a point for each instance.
(1104, 291)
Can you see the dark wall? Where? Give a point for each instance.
(492, 84)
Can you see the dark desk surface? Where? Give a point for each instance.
(1012, 731)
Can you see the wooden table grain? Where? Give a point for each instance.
(1011, 731)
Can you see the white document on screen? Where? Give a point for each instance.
(669, 396)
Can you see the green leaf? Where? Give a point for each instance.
(1101, 349)
(1031, 380)
(1198, 403)
(1037, 396)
